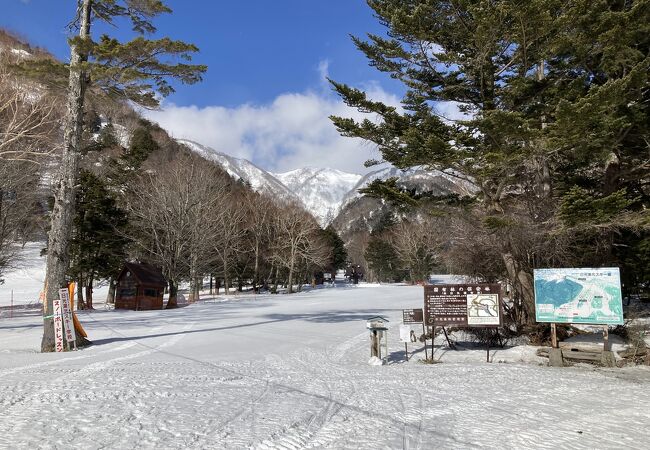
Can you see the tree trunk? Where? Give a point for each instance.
(300, 278)
(80, 298)
(522, 281)
(275, 282)
(226, 281)
(196, 279)
(290, 280)
(256, 268)
(190, 298)
(64, 195)
(173, 293)
(110, 298)
(89, 293)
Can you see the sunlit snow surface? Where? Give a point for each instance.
(291, 371)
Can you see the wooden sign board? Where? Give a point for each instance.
(412, 315)
(68, 325)
(58, 326)
(463, 305)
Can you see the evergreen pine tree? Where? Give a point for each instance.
(98, 244)
(382, 260)
(339, 253)
(555, 97)
(136, 71)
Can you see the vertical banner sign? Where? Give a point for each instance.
(68, 324)
(58, 326)
(462, 305)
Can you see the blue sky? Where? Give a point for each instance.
(266, 66)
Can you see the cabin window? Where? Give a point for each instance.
(150, 293)
(129, 292)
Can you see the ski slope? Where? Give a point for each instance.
(291, 371)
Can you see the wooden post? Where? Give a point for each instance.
(555, 354)
(487, 356)
(554, 343)
(424, 332)
(406, 350)
(374, 348)
(606, 344)
(447, 337)
(433, 344)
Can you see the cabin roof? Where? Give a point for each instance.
(145, 274)
(375, 318)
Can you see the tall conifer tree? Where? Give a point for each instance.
(134, 71)
(556, 96)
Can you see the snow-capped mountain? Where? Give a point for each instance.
(358, 212)
(320, 190)
(242, 169)
(435, 182)
(331, 195)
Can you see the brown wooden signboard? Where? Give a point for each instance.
(463, 305)
(412, 316)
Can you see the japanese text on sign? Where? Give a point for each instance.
(412, 316)
(58, 326)
(462, 305)
(68, 325)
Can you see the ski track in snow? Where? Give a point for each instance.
(291, 372)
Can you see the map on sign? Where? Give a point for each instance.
(483, 309)
(589, 296)
(462, 305)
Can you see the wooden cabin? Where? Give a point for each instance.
(140, 287)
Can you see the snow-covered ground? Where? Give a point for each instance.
(291, 371)
(26, 279)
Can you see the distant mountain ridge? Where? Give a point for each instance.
(330, 195)
(422, 180)
(320, 190)
(242, 169)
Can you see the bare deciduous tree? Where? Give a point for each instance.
(297, 243)
(18, 201)
(260, 213)
(29, 120)
(416, 246)
(172, 212)
(231, 231)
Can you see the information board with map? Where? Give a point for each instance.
(579, 295)
(462, 305)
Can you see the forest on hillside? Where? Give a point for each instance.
(140, 196)
(551, 143)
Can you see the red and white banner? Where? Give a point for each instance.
(68, 324)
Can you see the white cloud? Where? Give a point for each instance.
(324, 71)
(291, 132)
